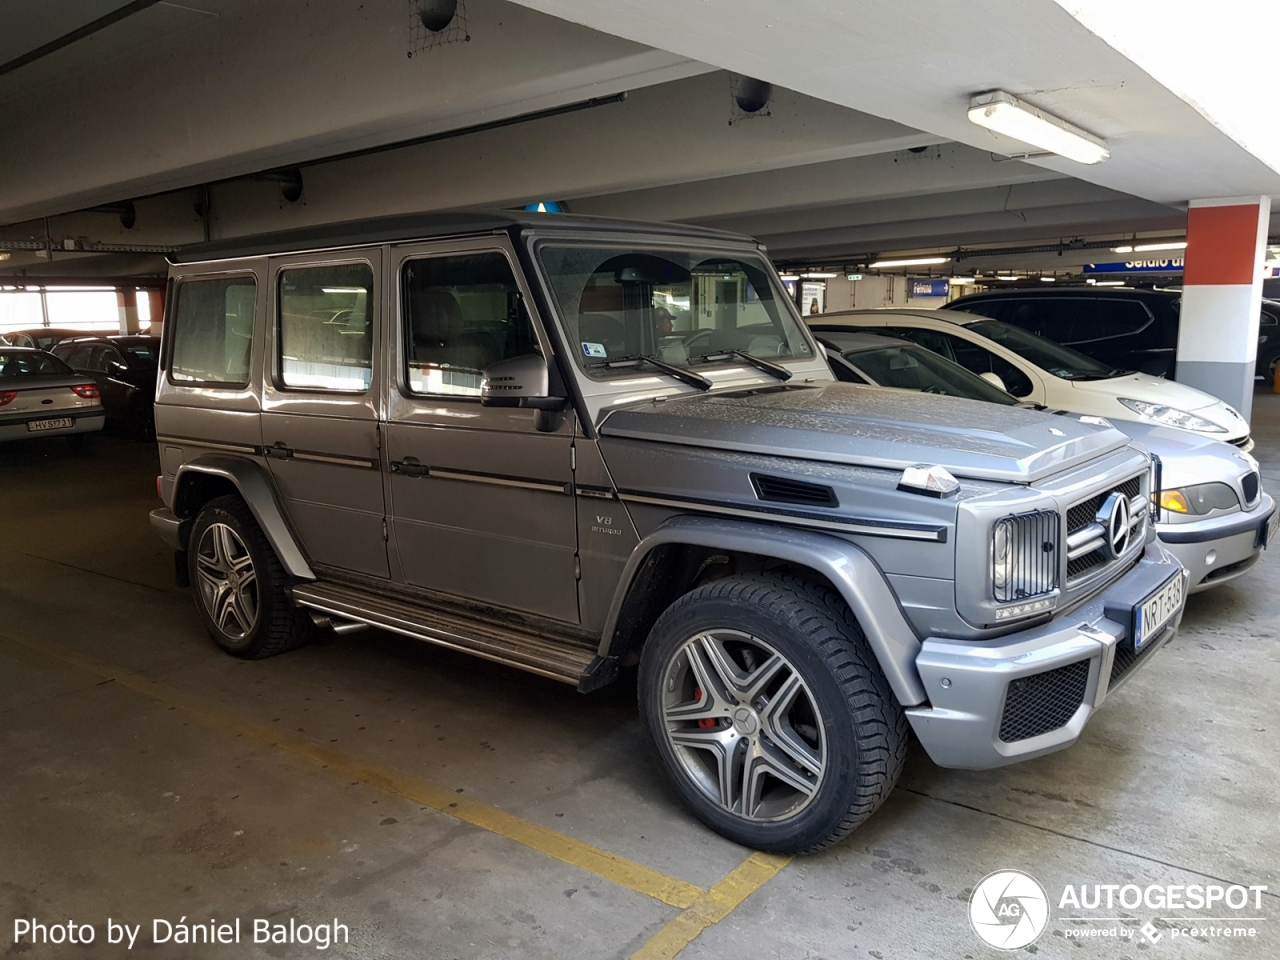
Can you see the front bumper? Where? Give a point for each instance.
(968, 682)
(1220, 549)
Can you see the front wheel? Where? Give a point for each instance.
(241, 589)
(769, 714)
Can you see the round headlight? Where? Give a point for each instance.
(1000, 555)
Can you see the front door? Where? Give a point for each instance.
(482, 502)
(320, 428)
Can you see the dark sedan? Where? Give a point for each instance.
(41, 396)
(124, 368)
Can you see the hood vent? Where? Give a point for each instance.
(786, 490)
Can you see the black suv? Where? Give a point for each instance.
(124, 368)
(1123, 328)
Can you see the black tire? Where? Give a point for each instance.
(275, 624)
(810, 626)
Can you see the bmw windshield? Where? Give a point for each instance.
(1051, 357)
(679, 308)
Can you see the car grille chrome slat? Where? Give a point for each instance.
(1087, 550)
(1033, 547)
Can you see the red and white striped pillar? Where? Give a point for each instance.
(1222, 297)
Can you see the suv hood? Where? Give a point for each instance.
(872, 426)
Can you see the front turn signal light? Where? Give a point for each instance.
(1174, 500)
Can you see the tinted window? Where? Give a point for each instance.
(326, 327)
(14, 365)
(1108, 319)
(212, 331)
(462, 314)
(913, 368)
(1051, 319)
(78, 355)
(103, 357)
(682, 306)
(1048, 356)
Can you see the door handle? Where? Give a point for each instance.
(278, 451)
(409, 467)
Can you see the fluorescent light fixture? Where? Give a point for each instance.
(1127, 248)
(789, 277)
(819, 276)
(1006, 276)
(911, 262)
(1004, 113)
(1145, 247)
(1048, 279)
(342, 290)
(1108, 283)
(5, 254)
(959, 280)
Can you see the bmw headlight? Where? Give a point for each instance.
(1171, 416)
(1199, 499)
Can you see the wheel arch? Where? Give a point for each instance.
(672, 559)
(202, 479)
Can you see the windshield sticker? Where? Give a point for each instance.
(594, 350)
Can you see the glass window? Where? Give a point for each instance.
(1052, 357)
(909, 367)
(682, 307)
(14, 365)
(103, 359)
(326, 327)
(80, 358)
(212, 331)
(462, 314)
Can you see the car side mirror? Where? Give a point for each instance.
(521, 382)
(994, 380)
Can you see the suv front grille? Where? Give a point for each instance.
(1081, 514)
(1250, 486)
(1043, 701)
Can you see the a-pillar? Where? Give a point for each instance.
(127, 303)
(1222, 297)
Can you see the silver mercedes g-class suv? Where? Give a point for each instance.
(569, 444)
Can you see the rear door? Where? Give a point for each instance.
(320, 429)
(482, 501)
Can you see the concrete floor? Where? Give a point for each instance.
(157, 795)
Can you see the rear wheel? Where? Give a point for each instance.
(769, 713)
(241, 589)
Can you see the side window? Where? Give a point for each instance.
(995, 309)
(1109, 319)
(1054, 320)
(938, 342)
(326, 327)
(80, 356)
(212, 331)
(981, 360)
(462, 313)
(845, 373)
(104, 357)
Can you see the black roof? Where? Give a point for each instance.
(425, 226)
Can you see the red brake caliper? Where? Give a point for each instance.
(706, 723)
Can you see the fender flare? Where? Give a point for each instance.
(258, 492)
(850, 570)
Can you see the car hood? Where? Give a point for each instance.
(1140, 386)
(1188, 458)
(872, 426)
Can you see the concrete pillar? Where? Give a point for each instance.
(1222, 297)
(127, 303)
(155, 300)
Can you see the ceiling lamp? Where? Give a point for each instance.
(913, 262)
(1004, 113)
(1145, 247)
(819, 276)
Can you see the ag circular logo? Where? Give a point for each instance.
(1008, 909)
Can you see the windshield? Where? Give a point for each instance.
(25, 364)
(1048, 356)
(682, 307)
(910, 367)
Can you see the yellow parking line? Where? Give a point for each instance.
(713, 906)
(619, 870)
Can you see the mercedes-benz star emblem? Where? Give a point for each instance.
(1114, 516)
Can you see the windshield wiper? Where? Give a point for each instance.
(775, 369)
(684, 376)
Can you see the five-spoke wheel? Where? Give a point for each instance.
(227, 581)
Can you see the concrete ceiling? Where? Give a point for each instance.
(864, 147)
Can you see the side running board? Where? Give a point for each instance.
(513, 647)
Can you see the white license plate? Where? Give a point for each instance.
(1156, 611)
(35, 426)
(1272, 525)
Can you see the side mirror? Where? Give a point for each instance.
(521, 382)
(994, 380)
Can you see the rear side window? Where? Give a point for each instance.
(213, 331)
(326, 327)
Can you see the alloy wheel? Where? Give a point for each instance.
(227, 580)
(744, 725)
